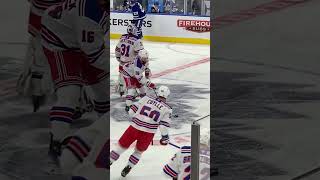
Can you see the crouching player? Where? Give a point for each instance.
(147, 115)
(179, 167)
(73, 41)
(136, 76)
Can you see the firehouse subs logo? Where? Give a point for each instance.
(195, 25)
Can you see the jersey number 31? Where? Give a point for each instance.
(125, 50)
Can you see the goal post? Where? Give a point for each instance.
(195, 150)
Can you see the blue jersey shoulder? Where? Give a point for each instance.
(138, 12)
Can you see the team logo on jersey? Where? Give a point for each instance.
(195, 25)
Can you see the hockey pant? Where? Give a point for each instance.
(143, 140)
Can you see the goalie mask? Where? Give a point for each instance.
(132, 30)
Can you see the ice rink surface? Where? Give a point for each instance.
(24, 135)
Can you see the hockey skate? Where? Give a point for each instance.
(127, 108)
(54, 150)
(121, 90)
(85, 104)
(126, 171)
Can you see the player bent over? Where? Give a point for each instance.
(126, 50)
(136, 76)
(179, 167)
(147, 115)
(73, 42)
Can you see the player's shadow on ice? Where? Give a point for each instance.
(179, 100)
(237, 100)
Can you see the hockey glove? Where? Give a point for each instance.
(164, 140)
(151, 85)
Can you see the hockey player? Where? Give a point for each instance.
(136, 76)
(73, 36)
(126, 50)
(35, 79)
(179, 167)
(139, 15)
(147, 115)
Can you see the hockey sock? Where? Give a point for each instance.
(115, 154)
(78, 147)
(130, 97)
(101, 97)
(101, 107)
(60, 118)
(134, 158)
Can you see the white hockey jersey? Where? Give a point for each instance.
(150, 113)
(37, 8)
(179, 166)
(135, 69)
(128, 48)
(78, 25)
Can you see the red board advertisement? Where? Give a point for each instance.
(199, 26)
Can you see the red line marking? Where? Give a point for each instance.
(175, 69)
(251, 13)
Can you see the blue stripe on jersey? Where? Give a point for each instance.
(93, 11)
(139, 63)
(129, 36)
(186, 147)
(78, 178)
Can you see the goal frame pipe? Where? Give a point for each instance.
(195, 150)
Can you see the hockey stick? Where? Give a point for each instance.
(174, 145)
(307, 174)
(170, 143)
(201, 118)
